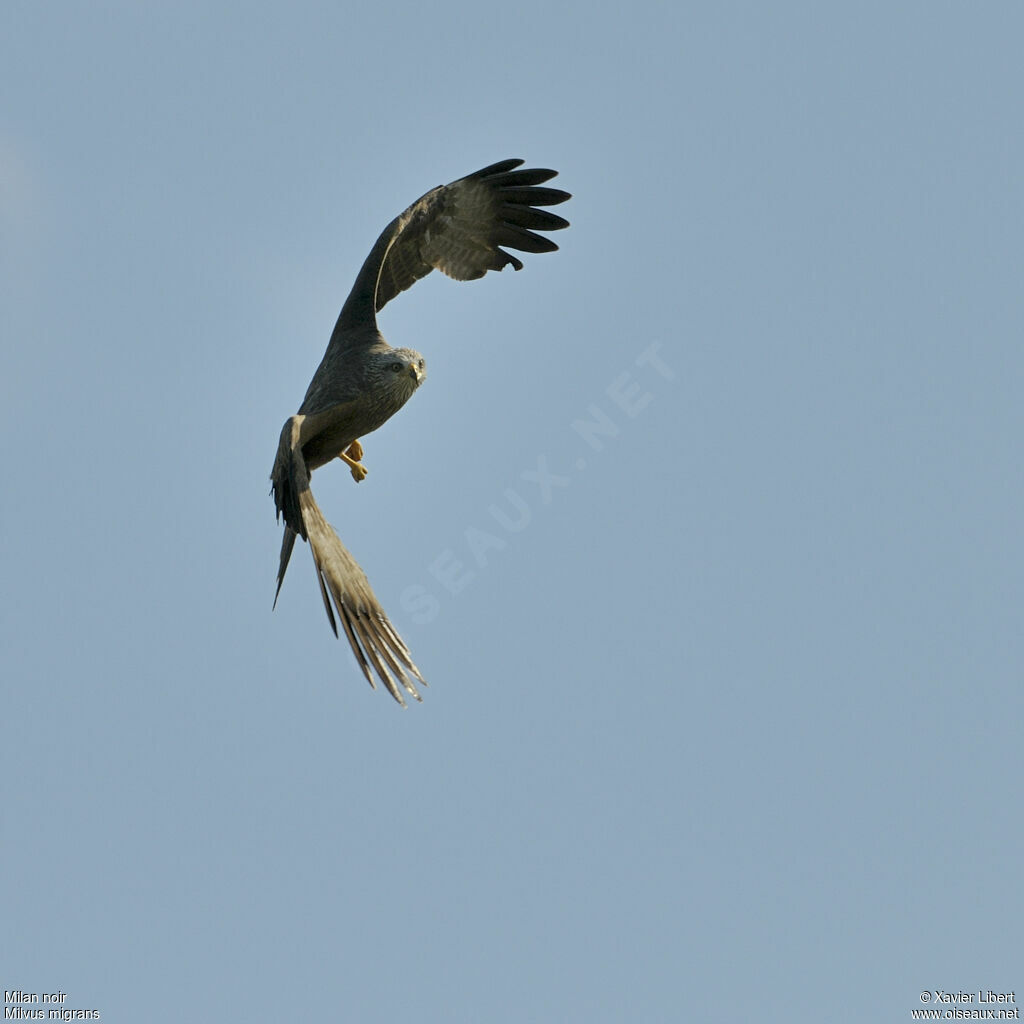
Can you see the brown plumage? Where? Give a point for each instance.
(362, 381)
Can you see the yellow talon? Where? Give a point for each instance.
(358, 470)
(355, 450)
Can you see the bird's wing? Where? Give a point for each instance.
(458, 229)
(375, 643)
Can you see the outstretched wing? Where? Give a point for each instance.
(458, 229)
(375, 642)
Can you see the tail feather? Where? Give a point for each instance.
(287, 543)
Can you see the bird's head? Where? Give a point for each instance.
(400, 369)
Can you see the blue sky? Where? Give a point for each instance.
(723, 705)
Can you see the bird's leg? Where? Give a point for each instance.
(357, 469)
(351, 457)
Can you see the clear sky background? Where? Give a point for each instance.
(724, 723)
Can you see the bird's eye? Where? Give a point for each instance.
(396, 367)
(421, 364)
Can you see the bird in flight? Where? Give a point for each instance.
(362, 381)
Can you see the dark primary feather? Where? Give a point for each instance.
(458, 229)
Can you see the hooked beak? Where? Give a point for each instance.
(414, 372)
